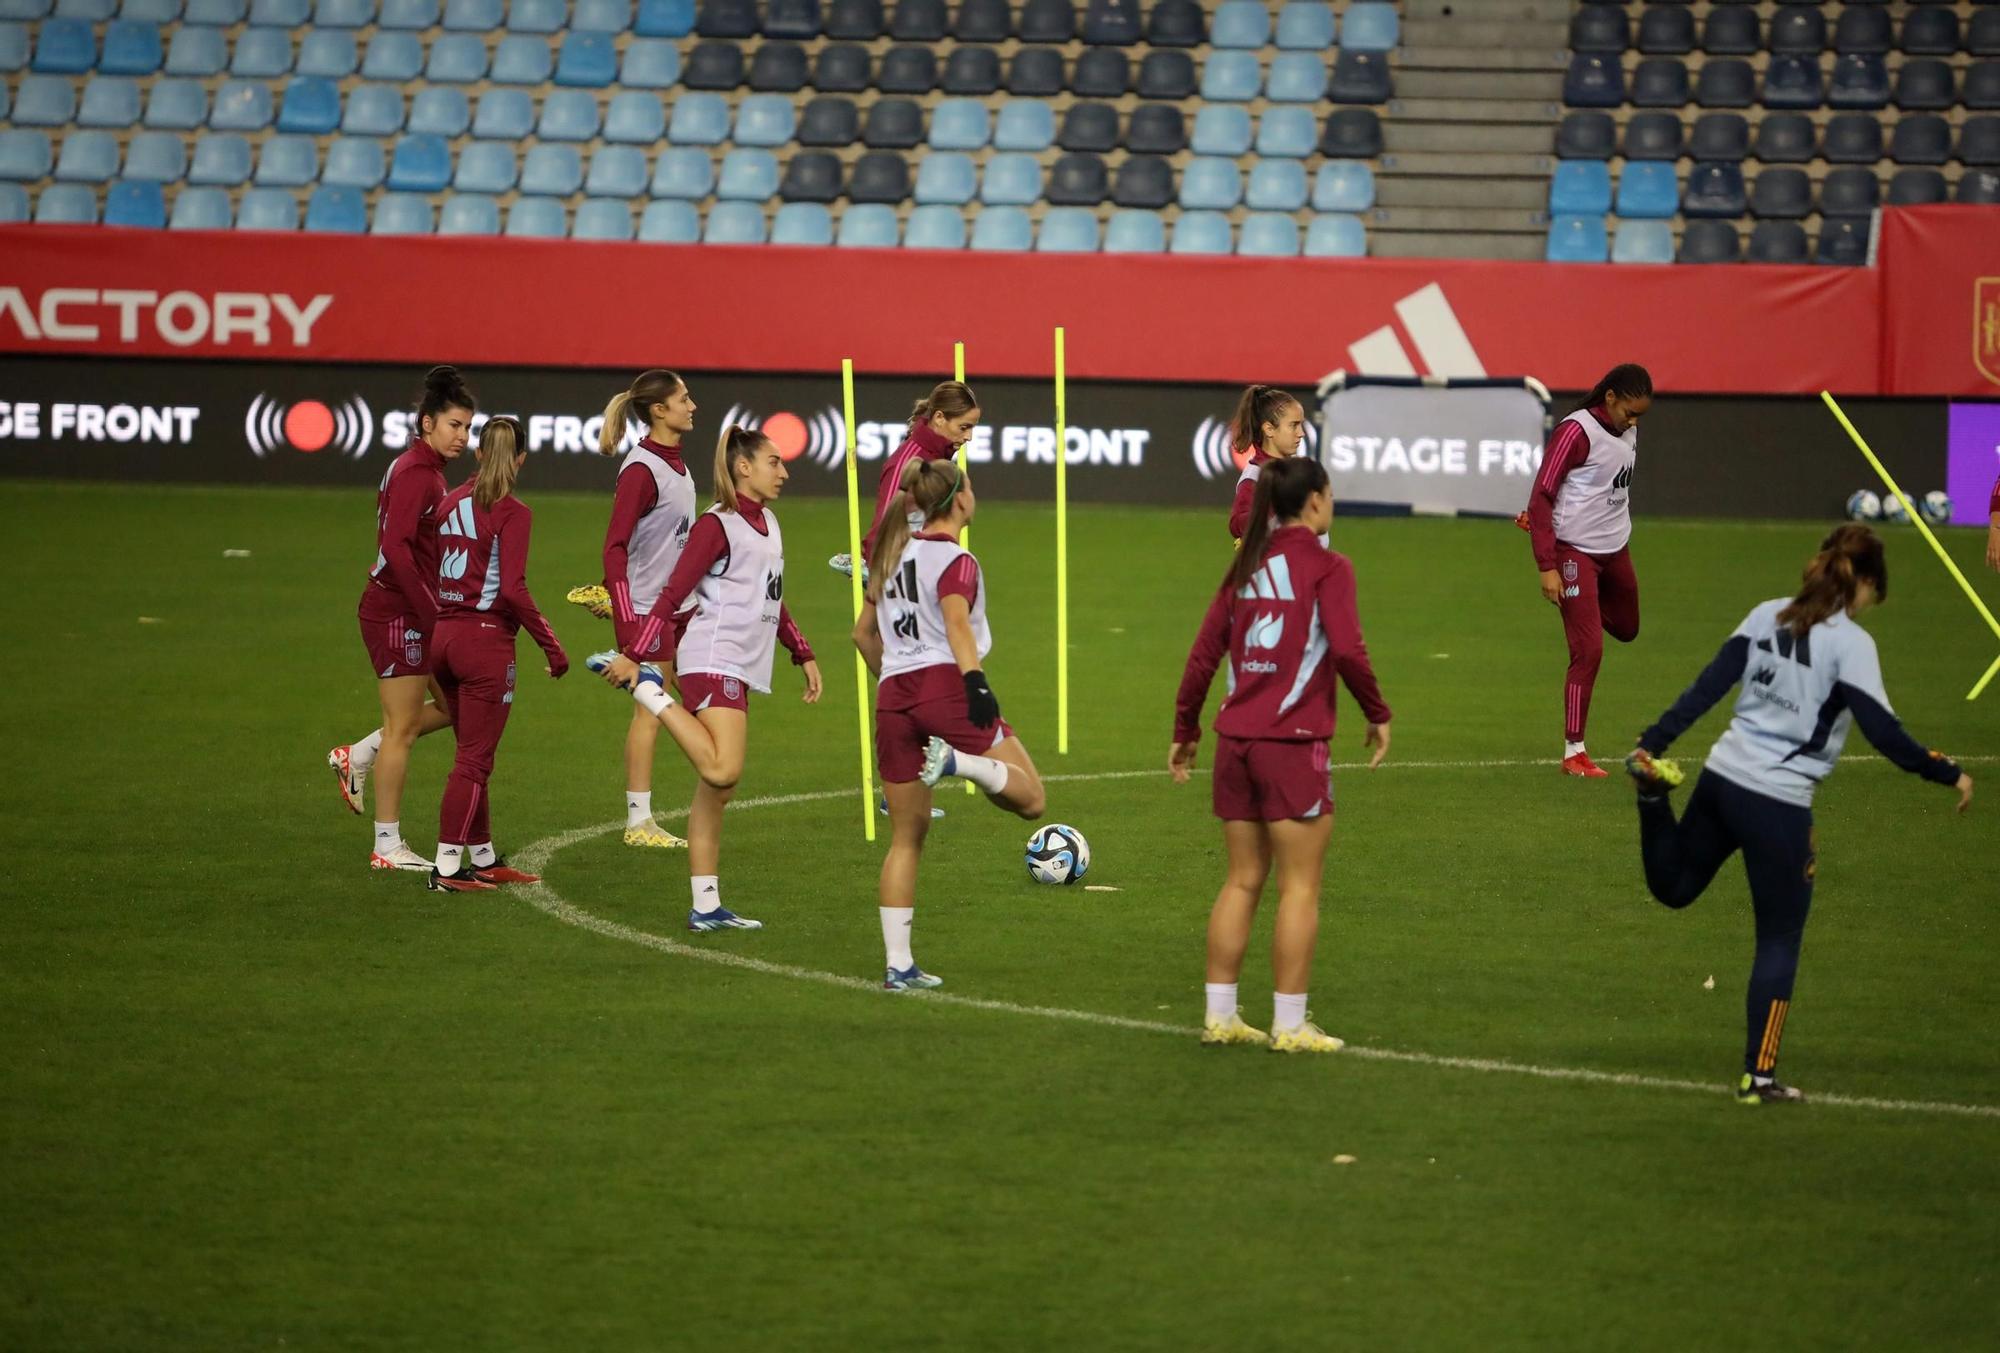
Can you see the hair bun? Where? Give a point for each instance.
(441, 378)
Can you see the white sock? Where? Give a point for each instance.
(896, 922)
(1571, 749)
(449, 858)
(388, 835)
(483, 854)
(1287, 1012)
(638, 807)
(707, 892)
(1221, 999)
(362, 754)
(984, 771)
(652, 697)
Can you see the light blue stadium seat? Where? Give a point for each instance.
(1287, 133)
(1296, 77)
(334, 209)
(934, 227)
(947, 177)
(748, 175)
(13, 50)
(700, 119)
(456, 59)
(537, 16)
(393, 57)
(587, 61)
(1577, 239)
(158, 156)
(64, 47)
(1276, 185)
(311, 106)
(66, 204)
(176, 105)
(13, 204)
(332, 14)
(1369, 26)
(1221, 129)
(88, 157)
(616, 171)
(664, 18)
(268, 209)
(24, 155)
(1012, 179)
(469, 214)
(25, 11)
(1240, 23)
(1268, 235)
(6, 102)
(540, 218)
(1231, 77)
(375, 110)
(355, 162)
(287, 162)
(960, 124)
(600, 16)
(1649, 188)
(521, 61)
(650, 63)
(137, 204)
(1580, 188)
(44, 101)
(568, 115)
(551, 171)
(1067, 230)
(202, 209)
(1201, 232)
(1134, 230)
(1336, 235)
(474, 16)
(636, 117)
(130, 49)
(261, 53)
(1643, 242)
(197, 51)
(602, 219)
(734, 223)
(670, 223)
(401, 214)
(504, 115)
(868, 225)
(219, 13)
(109, 101)
(1003, 230)
(1211, 183)
(222, 159)
(808, 223)
(150, 11)
(440, 112)
(1343, 185)
(412, 14)
(1024, 124)
(328, 52)
(683, 172)
(1306, 25)
(420, 164)
(486, 167)
(764, 120)
(277, 13)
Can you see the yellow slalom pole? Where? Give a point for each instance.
(1062, 554)
(1917, 519)
(964, 532)
(854, 553)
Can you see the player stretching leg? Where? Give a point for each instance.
(1808, 672)
(1285, 618)
(1580, 516)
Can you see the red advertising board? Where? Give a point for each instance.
(1941, 315)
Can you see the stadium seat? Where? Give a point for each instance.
(130, 49)
(551, 171)
(804, 223)
(934, 227)
(1648, 189)
(983, 21)
(469, 214)
(726, 19)
(1352, 134)
(1036, 72)
(1923, 83)
(879, 176)
(1594, 81)
(1167, 75)
(1110, 23)
(14, 208)
(1929, 30)
(135, 204)
(843, 68)
(1979, 140)
(483, 16)
(868, 226)
(615, 16)
(420, 164)
(1144, 181)
(830, 121)
(1360, 77)
(1285, 133)
(1859, 82)
(1067, 230)
(894, 124)
(1201, 232)
(488, 167)
(587, 61)
(1643, 242)
(635, 117)
(1725, 82)
(1719, 136)
(698, 120)
(1982, 85)
(1601, 29)
(669, 222)
(109, 101)
(1798, 30)
(262, 53)
(203, 209)
(948, 178)
(331, 53)
(176, 105)
(960, 124)
(747, 175)
(1852, 138)
(1343, 186)
(1047, 21)
(502, 115)
(972, 71)
(1078, 179)
(1980, 186)
(811, 176)
(1907, 188)
(662, 18)
(66, 204)
(1730, 30)
(1231, 77)
(518, 60)
(683, 172)
(734, 223)
(1580, 188)
(764, 120)
(88, 157)
(150, 11)
(456, 59)
(537, 218)
(1135, 231)
(222, 13)
(44, 101)
(64, 47)
(1982, 34)
(1792, 82)
(1653, 136)
(601, 218)
(1660, 82)
(1577, 239)
(1587, 134)
(394, 58)
(1665, 30)
(1101, 73)
(1336, 236)
(1781, 193)
(1221, 129)
(1240, 23)
(1370, 26)
(416, 15)
(277, 209)
(1785, 138)
(650, 63)
(780, 68)
(1863, 29)
(1003, 229)
(919, 21)
(1843, 242)
(1850, 191)
(401, 214)
(1025, 124)
(287, 162)
(328, 14)
(620, 171)
(160, 157)
(13, 48)
(1010, 180)
(1276, 185)
(1176, 23)
(197, 51)
(1710, 242)
(1715, 190)
(1211, 183)
(1306, 26)
(354, 162)
(221, 159)
(1296, 77)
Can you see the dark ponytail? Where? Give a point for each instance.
(1627, 380)
(444, 389)
(1282, 490)
(1849, 557)
(1259, 405)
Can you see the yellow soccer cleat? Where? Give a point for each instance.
(593, 598)
(1308, 1037)
(1219, 1032)
(1656, 775)
(651, 833)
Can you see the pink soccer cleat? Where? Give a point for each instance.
(1582, 765)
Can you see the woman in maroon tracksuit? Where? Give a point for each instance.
(398, 610)
(1269, 424)
(483, 600)
(940, 423)
(1285, 617)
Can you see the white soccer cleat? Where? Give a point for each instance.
(402, 857)
(937, 762)
(350, 776)
(843, 564)
(651, 833)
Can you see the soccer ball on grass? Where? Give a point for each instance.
(1058, 854)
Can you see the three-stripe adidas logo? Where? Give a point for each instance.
(1432, 325)
(1273, 582)
(460, 522)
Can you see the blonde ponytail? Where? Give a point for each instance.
(733, 444)
(499, 444)
(633, 406)
(928, 487)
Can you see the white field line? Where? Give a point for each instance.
(534, 859)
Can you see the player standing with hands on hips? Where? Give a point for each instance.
(1286, 620)
(1808, 674)
(1580, 517)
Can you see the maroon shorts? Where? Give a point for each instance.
(665, 644)
(706, 690)
(1265, 780)
(396, 647)
(902, 734)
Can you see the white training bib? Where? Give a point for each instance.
(662, 532)
(1594, 503)
(734, 628)
(911, 615)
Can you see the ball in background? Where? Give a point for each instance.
(1864, 505)
(1936, 507)
(1058, 853)
(1893, 509)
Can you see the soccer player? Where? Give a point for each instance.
(1580, 518)
(940, 423)
(733, 573)
(483, 601)
(1271, 425)
(1993, 528)
(1285, 617)
(398, 610)
(923, 632)
(1808, 673)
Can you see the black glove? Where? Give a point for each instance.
(982, 706)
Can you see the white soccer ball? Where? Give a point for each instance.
(1058, 854)
(1863, 505)
(1893, 510)
(1936, 507)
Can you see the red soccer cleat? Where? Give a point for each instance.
(1582, 765)
(502, 872)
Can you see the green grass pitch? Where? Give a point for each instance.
(256, 1096)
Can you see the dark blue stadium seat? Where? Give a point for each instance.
(1112, 23)
(973, 71)
(1587, 135)
(64, 47)
(1982, 85)
(907, 69)
(1785, 138)
(727, 19)
(1843, 242)
(1352, 134)
(1047, 21)
(714, 65)
(1793, 82)
(1781, 194)
(855, 20)
(1981, 186)
(1710, 242)
(1730, 30)
(1360, 77)
(1849, 191)
(1089, 126)
(1176, 23)
(842, 68)
(1719, 136)
(1725, 82)
(1779, 242)
(1917, 188)
(919, 21)
(1715, 190)
(798, 19)
(130, 49)
(1144, 181)
(1101, 73)
(1852, 138)
(1035, 72)
(779, 68)
(1156, 129)
(1925, 83)
(1864, 30)
(1660, 82)
(1652, 136)
(1166, 75)
(983, 21)
(1979, 140)
(1599, 28)
(1798, 30)
(811, 176)
(1931, 30)
(1594, 81)
(1666, 30)
(1982, 35)
(1078, 179)
(829, 120)
(1859, 82)
(894, 124)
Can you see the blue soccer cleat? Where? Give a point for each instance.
(597, 662)
(722, 918)
(911, 978)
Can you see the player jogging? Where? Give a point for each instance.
(1271, 425)
(398, 611)
(1808, 672)
(923, 632)
(1285, 617)
(940, 423)
(1580, 518)
(733, 573)
(483, 601)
